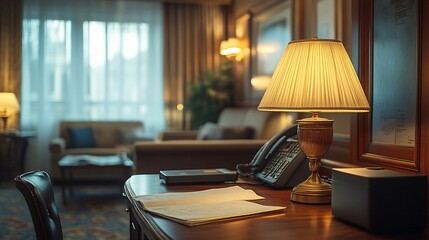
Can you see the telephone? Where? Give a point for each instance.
(279, 163)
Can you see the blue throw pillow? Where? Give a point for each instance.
(81, 137)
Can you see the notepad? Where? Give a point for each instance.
(201, 207)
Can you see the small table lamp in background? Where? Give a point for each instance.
(8, 106)
(314, 76)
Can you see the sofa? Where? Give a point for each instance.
(94, 138)
(223, 144)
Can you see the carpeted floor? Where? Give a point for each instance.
(94, 212)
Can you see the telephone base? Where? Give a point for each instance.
(311, 193)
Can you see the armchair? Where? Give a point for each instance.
(220, 145)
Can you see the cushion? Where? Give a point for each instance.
(105, 137)
(81, 137)
(209, 131)
(212, 131)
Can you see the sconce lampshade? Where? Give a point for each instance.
(231, 48)
(8, 104)
(314, 76)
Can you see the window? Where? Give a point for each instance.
(98, 60)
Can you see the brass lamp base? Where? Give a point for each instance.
(315, 137)
(312, 193)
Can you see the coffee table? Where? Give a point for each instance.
(69, 163)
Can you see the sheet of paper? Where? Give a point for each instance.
(233, 193)
(196, 214)
(200, 207)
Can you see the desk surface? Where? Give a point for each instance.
(299, 220)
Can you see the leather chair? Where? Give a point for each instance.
(37, 189)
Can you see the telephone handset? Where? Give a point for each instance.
(280, 162)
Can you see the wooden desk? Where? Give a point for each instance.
(298, 221)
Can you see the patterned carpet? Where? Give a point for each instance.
(94, 212)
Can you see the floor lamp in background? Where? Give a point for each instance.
(8, 107)
(314, 76)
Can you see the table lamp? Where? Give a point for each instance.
(314, 75)
(8, 106)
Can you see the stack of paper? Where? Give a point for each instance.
(200, 207)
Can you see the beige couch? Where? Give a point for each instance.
(110, 138)
(169, 152)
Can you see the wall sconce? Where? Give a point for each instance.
(231, 48)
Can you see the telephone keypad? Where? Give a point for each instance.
(281, 159)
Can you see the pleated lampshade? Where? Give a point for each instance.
(8, 104)
(314, 75)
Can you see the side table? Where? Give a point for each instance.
(13, 147)
(69, 163)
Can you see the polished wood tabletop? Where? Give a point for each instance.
(299, 221)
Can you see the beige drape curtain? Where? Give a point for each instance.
(192, 37)
(10, 50)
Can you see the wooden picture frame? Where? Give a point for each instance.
(390, 65)
(272, 30)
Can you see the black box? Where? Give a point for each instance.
(197, 176)
(379, 200)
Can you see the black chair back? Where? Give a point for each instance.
(37, 189)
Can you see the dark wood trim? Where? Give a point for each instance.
(146, 228)
(424, 106)
(424, 117)
(328, 165)
(299, 19)
(365, 68)
(355, 56)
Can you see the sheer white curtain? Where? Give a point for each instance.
(89, 60)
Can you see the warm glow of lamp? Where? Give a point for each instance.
(314, 76)
(260, 82)
(231, 48)
(180, 107)
(8, 106)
